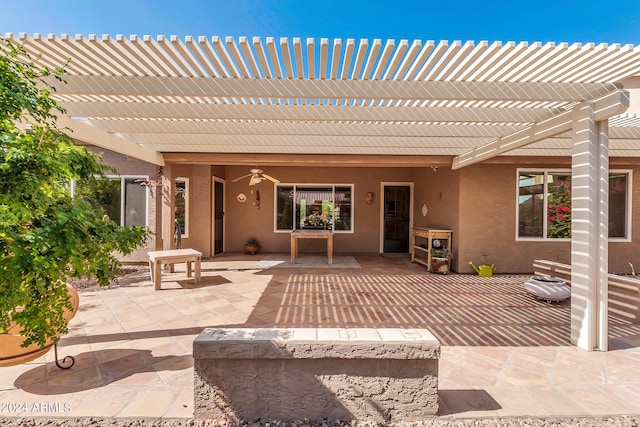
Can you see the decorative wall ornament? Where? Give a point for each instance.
(241, 197)
(424, 210)
(368, 197)
(149, 184)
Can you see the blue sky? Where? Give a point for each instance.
(610, 21)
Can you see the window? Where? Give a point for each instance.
(544, 204)
(309, 207)
(182, 205)
(124, 199)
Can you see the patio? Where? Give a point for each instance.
(503, 352)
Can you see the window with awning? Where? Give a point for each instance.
(309, 207)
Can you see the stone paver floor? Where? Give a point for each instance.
(503, 352)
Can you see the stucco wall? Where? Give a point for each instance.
(487, 224)
(200, 205)
(244, 220)
(438, 190)
(477, 202)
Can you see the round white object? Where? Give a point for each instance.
(548, 288)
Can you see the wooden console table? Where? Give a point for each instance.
(157, 258)
(311, 234)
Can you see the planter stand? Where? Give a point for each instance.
(64, 360)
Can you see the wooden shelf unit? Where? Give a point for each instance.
(428, 234)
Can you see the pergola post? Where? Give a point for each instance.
(168, 206)
(590, 229)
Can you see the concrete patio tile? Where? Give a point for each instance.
(499, 354)
(502, 353)
(513, 401)
(106, 401)
(565, 375)
(141, 320)
(464, 402)
(154, 402)
(485, 364)
(622, 367)
(181, 379)
(466, 377)
(139, 378)
(81, 376)
(182, 407)
(526, 369)
(599, 400)
(553, 401)
(28, 373)
(543, 354)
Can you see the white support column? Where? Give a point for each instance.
(589, 224)
(168, 206)
(602, 330)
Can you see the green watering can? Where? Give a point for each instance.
(483, 270)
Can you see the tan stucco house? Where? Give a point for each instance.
(370, 138)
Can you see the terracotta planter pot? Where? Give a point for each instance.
(251, 249)
(11, 350)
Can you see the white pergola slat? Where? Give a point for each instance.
(145, 88)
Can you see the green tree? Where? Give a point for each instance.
(46, 235)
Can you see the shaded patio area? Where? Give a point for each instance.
(503, 352)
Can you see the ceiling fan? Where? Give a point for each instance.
(257, 177)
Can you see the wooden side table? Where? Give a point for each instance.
(157, 258)
(311, 234)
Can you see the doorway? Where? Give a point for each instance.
(396, 218)
(218, 216)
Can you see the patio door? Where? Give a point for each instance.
(218, 217)
(396, 218)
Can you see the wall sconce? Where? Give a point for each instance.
(368, 197)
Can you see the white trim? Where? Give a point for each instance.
(122, 179)
(628, 207)
(295, 186)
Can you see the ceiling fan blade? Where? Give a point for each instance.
(253, 180)
(238, 179)
(270, 178)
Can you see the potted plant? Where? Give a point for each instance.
(251, 246)
(46, 234)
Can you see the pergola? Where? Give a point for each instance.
(229, 101)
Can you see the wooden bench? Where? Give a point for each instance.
(362, 374)
(171, 257)
(624, 291)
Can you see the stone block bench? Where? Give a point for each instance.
(624, 291)
(367, 375)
